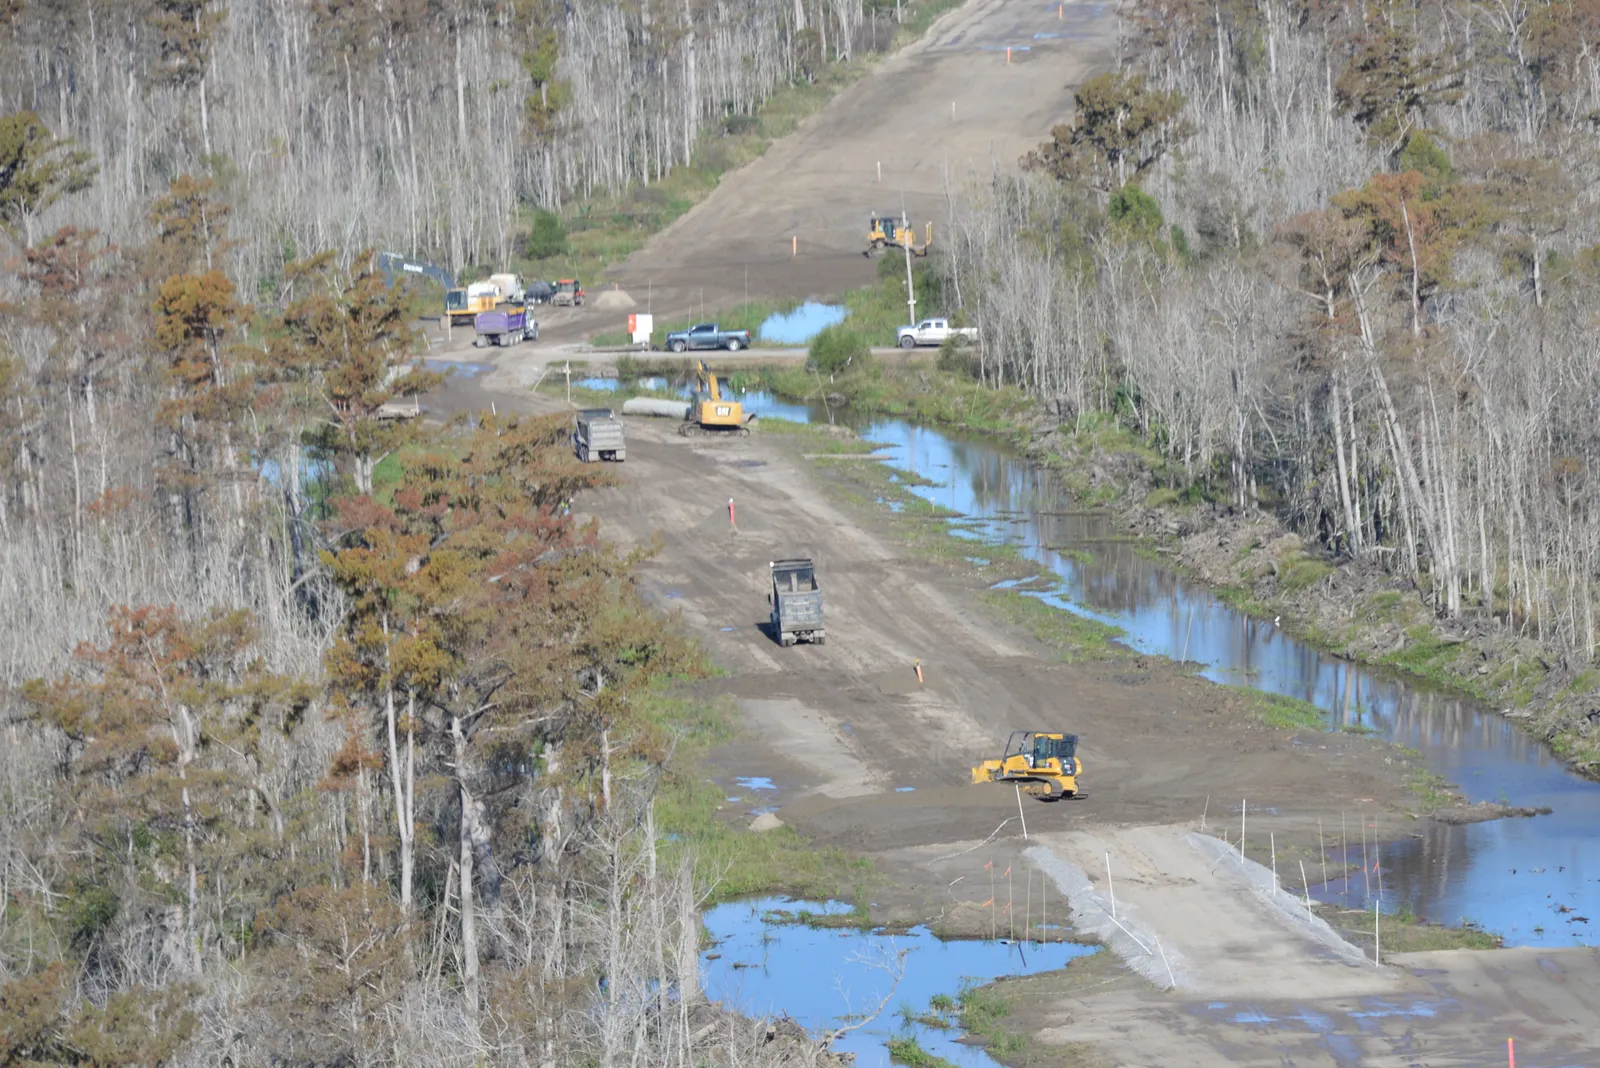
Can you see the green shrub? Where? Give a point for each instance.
(1136, 211)
(958, 357)
(547, 238)
(836, 348)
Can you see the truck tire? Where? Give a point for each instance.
(908, 342)
(675, 346)
(786, 640)
(821, 639)
(734, 344)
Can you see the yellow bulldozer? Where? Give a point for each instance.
(885, 231)
(710, 413)
(1044, 764)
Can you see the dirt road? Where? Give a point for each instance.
(948, 109)
(851, 750)
(846, 744)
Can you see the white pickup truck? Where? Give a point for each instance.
(933, 332)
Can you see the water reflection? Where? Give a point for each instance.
(1511, 876)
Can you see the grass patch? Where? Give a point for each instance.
(1076, 638)
(907, 1051)
(582, 396)
(1432, 790)
(1300, 571)
(1244, 599)
(741, 862)
(1584, 682)
(1385, 606)
(932, 1017)
(1162, 497)
(1276, 710)
(1428, 656)
(859, 918)
(1404, 932)
(817, 438)
(982, 1008)
(914, 390)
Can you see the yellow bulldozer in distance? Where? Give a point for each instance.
(1044, 764)
(885, 231)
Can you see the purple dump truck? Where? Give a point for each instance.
(506, 325)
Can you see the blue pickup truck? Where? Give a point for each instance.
(708, 336)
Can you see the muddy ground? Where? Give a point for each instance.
(860, 756)
(946, 110)
(857, 754)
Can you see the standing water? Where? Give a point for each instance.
(802, 324)
(827, 978)
(1513, 877)
(1533, 881)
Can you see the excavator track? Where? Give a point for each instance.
(695, 430)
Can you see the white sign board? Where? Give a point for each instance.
(640, 327)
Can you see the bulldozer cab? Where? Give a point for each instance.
(1039, 748)
(885, 231)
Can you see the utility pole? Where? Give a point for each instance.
(911, 293)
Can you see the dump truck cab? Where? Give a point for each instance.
(1044, 764)
(796, 601)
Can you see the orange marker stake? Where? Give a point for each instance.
(1511, 1051)
(794, 245)
(1008, 53)
(731, 523)
(919, 672)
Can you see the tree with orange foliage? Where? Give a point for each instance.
(508, 634)
(166, 735)
(1412, 229)
(42, 1023)
(349, 344)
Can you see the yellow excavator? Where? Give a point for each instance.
(1044, 764)
(710, 413)
(885, 231)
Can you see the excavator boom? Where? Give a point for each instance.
(710, 414)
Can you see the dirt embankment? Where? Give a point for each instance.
(1353, 608)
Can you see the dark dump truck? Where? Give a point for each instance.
(796, 602)
(597, 435)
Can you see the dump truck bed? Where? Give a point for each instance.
(598, 435)
(796, 602)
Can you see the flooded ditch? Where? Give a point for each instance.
(827, 978)
(1534, 881)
